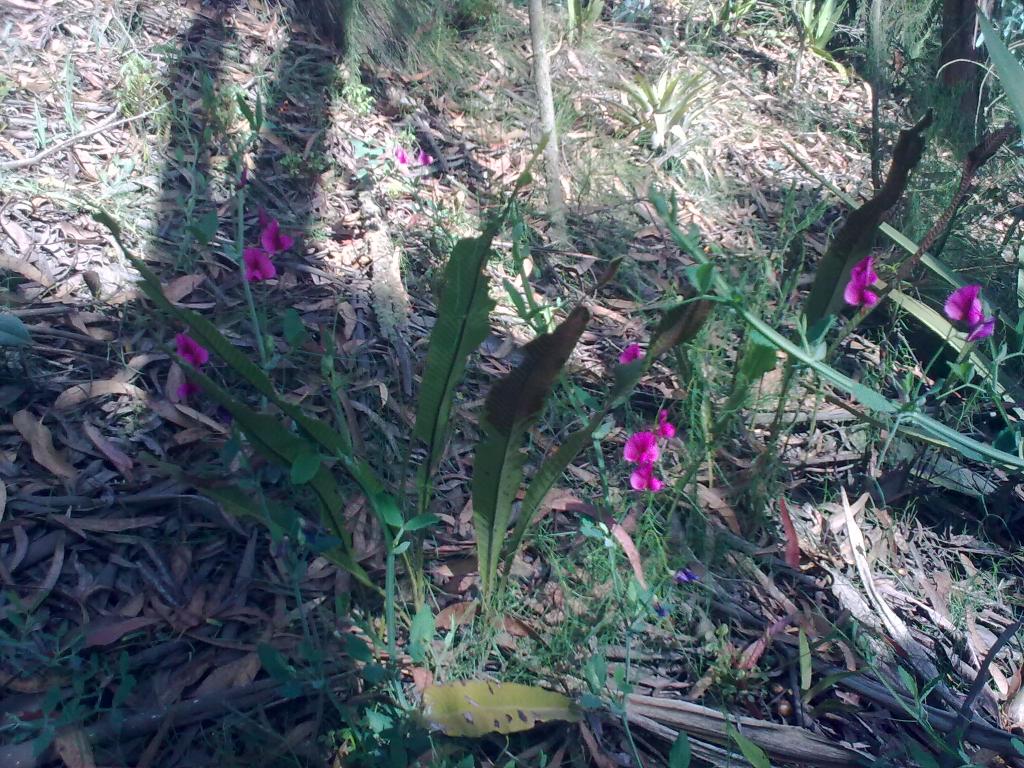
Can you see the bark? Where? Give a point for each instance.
(960, 73)
(552, 156)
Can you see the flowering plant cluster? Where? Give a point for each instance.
(403, 158)
(643, 449)
(963, 306)
(258, 266)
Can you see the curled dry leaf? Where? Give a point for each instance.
(38, 436)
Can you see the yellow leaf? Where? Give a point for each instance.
(477, 707)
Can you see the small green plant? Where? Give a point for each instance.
(818, 20)
(725, 14)
(664, 109)
(137, 91)
(583, 14)
(357, 95)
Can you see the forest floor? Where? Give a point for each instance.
(843, 601)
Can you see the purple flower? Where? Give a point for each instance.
(643, 479)
(191, 351)
(685, 576)
(964, 307)
(186, 390)
(258, 265)
(401, 156)
(862, 276)
(661, 610)
(273, 239)
(665, 429)
(630, 353)
(424, 158)
(642, 448)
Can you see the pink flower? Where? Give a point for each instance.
(862, 276)
(264, 218)
(273, 239)
(964, 307)
(665, 429)
(630, 353)
(424, 158)
(258, 265)
(191, 351)
(982, 330)
(642, 448)
(643, 479)
(401, 156)
(186, 390)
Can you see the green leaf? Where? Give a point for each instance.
(679, 756)
(293, 327)
(759, 358)
(304, 468)
(1011, 73)
(474, 708)
(805, 661)
(753, 753)
(1017, 744)
(205, 227)
(922, 757)
(275, 442)
(13, 332)
(908, 682)
(464, 307)
(511, 406)
(421, 633)
(402, 547)
(422, 521)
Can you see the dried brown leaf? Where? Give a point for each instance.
(180, 287)
(109, 629)
(121, 461)
(79, 393)
(40, 440)
(73, 747)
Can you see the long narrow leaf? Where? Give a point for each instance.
(1011, 72)
(464, 307)
(511, 407)
(275, 442)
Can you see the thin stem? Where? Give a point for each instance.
(240, 248)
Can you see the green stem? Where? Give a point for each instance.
(240, 246)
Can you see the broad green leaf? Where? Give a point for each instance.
(679, 756)
(421, 633)
(474, 708)
(304, 467)
(464, 307)
(13, 332)
(293, 328)
(1011, 73)
(1017, 744)
(754, 754)
(422, 521)
(512, 404)
(205, 227)
(758, 359)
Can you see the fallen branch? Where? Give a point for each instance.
(110, 122)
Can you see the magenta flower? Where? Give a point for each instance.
(862, 277)
(642, 448)
(964, 307)
(665, 429)
(643, 478)
(258, 265)
(630, 353)
(186, 390)
(424, 158)
(191, 351)
(273, 239)
(401, 156)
